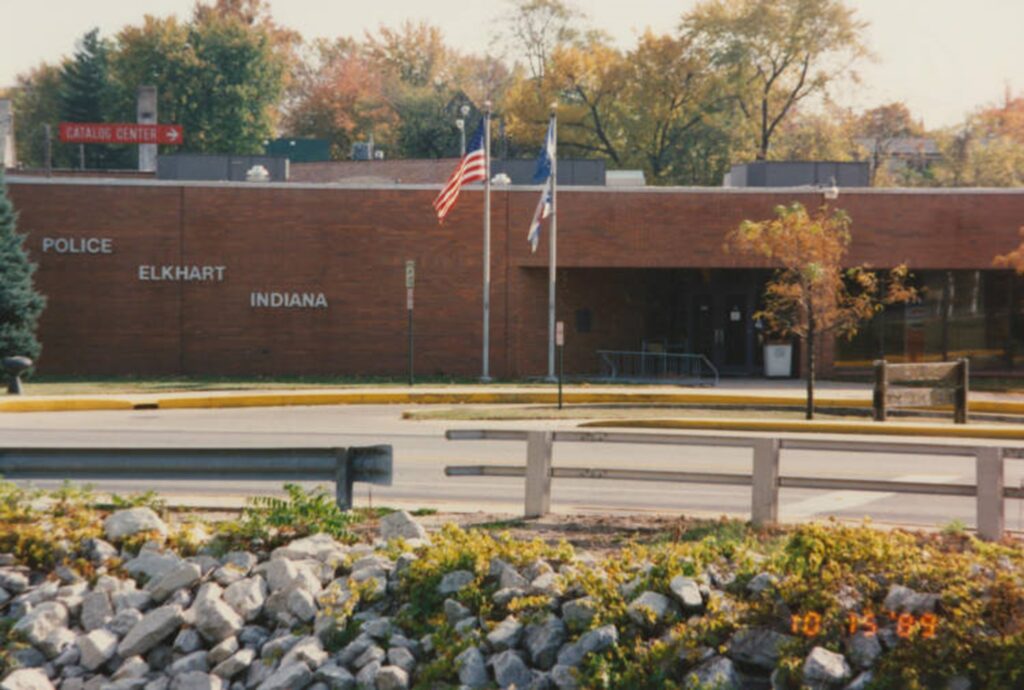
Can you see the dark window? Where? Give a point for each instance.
(583, 319)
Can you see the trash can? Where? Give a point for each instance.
(778, 360)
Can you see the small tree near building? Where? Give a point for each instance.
(811, 292)
(20, 303)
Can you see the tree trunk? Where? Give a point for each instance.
(810, 367)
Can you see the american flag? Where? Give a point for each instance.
(472, 168)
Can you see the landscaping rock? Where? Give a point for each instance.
(472, 668)
(455, 612)
(592, 642)
(761, 582)
(235, 664)
(505, 635)
(41, 621)
(215, 620)
(392, 678)
(127, 523)
(543, 641)
(196, 661)
(650, 609)
(196, 680)
(757, 647)
(292, 677)
(455, 581)
(823, 668)
(154, 627)
(863, 650)
(579, 613)
(96, 647)
(717, 672)
(96, 610)
(222, 651)
(335, 677)
(26, 679)
(402, 657)
(510, 670)
(401, 525)
(903, 599)
(687, 593)
(184, 575)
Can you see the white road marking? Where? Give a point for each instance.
(836, 501)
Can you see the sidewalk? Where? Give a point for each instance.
(771, 392)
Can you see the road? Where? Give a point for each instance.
(421, 453)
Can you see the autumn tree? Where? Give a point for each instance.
(811, 292)
(1013, 259)
(535, 28)
(825, 135)
(36, 103)
(777, 52)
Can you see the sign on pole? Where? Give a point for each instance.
(410, 274)
(120, 133)
(560, 333)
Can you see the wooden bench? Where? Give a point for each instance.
(948, 387)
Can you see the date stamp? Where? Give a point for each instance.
(809, 624)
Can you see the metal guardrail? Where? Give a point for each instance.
(343, 466)
(623, 365)
(764, 481)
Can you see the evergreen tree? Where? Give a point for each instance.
(86, 95)
(20, 303)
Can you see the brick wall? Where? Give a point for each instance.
(352, 244)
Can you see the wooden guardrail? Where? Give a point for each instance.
(989, 489)
(948, 386)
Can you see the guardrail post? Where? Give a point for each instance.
(960, 395)
(880, 391)
(538, 473)
(765, 491)
(344, 476)
(989, 477)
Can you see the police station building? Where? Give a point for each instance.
(154, 277)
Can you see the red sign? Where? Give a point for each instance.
(119, 133)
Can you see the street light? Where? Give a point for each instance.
(460, 124)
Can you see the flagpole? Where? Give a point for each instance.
(486, 376)
(553, 248)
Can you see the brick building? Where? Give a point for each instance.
(151, 277)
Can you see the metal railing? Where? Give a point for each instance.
(764, 481)
(343, 466)
(639, 367)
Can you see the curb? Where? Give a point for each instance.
(818, 427)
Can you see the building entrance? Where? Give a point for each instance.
(723, 327)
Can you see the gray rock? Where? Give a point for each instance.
(5, 596)
(900, 599)
(863, 650)
(758, 647)
(69, 657)
(354, 649)
(187, 641)
(96, 610)
(367, 676)
(41, 621)
(472, 668)
(78, 684)
(465, 625)
(455, 581)
(154, 627)
(761, 582)
(96, 647)
(564, 677)
(455, 612)
(592, 642)
(503, 596)
(253, 636)
(14, 581)
(214, 619)
(510, 670)
(247, 597)
(28, 657)
(825, 668)
(543, 641)
(98, 551)
(717, 672)
(126, 523)
(372, 654)
(292, 677)
(259, 672)
(56, 642)
(505, 635)
(650, 609)
(132, 667)
(196, 661)
(235, 664)
(242, 560)
(402, 657)
(400, 525)
(578, 614)
(124, 621)
(308, 650)
(546, 583)
(392, 678)
(222, 651)
(160, 657)
(301, 604)
(687, 593)
(184, 575)
(196, 680)
(861, 682)
(26, 679)
(152, 564)
(283, 573)
(509, 577)
(319, 547)
(959, 682)
(335, 677)
(131, 598)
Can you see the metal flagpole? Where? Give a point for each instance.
(553, 248)
(486, 376)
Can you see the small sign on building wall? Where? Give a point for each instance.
(410, 274)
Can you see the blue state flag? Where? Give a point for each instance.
(546, 159)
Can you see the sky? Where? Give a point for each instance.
(943, 58)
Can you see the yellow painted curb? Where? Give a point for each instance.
(819, 427)
(64, 405)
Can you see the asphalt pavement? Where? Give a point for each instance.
(421, 452)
